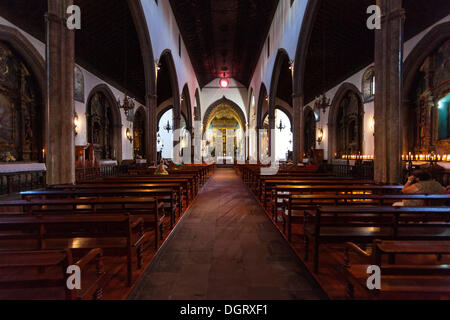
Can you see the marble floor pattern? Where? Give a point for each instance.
(226, 248)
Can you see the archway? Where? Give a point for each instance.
(21, 99)
(104, 124)
(140, 22)
(224, 120)
(283, 135)
(252, 125)
(425, 110)
(165, 135)
(140, 135)
(345, 122)
(309, 130)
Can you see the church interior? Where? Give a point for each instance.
(224, 150)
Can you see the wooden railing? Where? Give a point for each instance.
(85, 174)
(360, 170)
(12, 182)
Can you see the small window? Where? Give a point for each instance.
(369, 84)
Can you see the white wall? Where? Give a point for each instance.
(284, 33)
(235, 92)
(90, 81)
(356, 79)
(164, 31)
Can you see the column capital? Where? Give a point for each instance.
(394, 15)
(53, 17)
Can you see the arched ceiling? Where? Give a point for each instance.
(224, 36)
(107, 39)
(341, 44)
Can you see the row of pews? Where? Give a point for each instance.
(124, 217)
(359, 217)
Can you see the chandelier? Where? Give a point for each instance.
(127, 105)
(168, 127)
(322, 102)
(281, 126)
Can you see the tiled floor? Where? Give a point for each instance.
(226, 248)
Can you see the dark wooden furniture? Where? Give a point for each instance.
(115, 234)
(362, 224)
(59, 259)
(310, 203)
(424, 281)
(147, 208)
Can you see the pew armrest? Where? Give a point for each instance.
(350, 246)
(95, 290)
(94, 254)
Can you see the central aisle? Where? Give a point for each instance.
(226, 248)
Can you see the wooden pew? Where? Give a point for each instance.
(399, 281)
(273, 185)
(310, 203)
(281, 193)
(59, 259)
(265, 184)
(194, 179)
(176, 187)
(166, 197)
(116, 233)
(147, 208)
(186, 183)
(362, 224)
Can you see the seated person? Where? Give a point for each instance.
(421, 183)
(161, 170)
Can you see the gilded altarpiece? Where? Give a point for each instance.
(349, 125)
(433, 84)
(20, 109)
(101, 127)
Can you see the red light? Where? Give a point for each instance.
(224, 83)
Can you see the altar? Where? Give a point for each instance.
(225, 160)
(16, 176)
(15, 167)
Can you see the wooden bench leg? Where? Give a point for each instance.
(306, 240)
(316, 256)
(350, 291)
(129, 268)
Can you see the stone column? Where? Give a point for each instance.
(152, 127)
(298, 129)
(271, 127)
(388, 75)
(59, 113)
(176, 126)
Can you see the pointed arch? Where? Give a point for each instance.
(263, 104)
(231, 104)
(343, 90)
(116, 116)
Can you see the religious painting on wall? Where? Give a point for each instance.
(430, 101)
(20, 109)
(101, 127)
(310, 130)
(139, 134)
(79, 85)
(349, 125)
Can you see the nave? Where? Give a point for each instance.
(226, 249)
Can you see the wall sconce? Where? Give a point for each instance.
(320, 137)
(372, 125)
(129, 136)
(76, 123)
